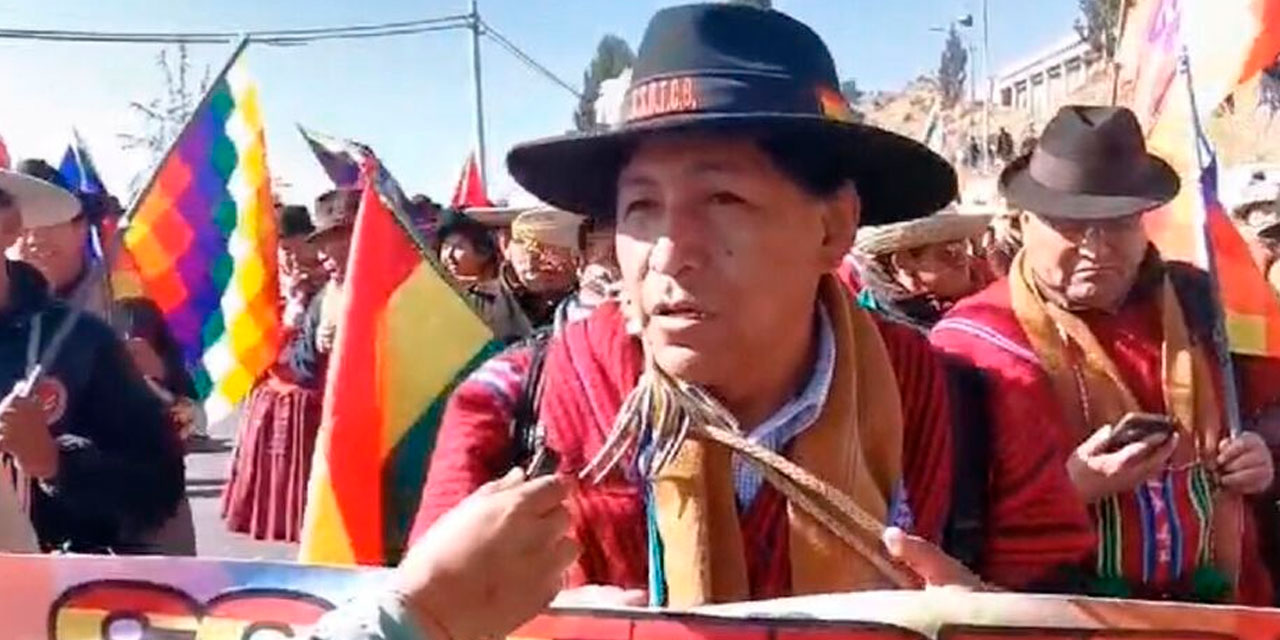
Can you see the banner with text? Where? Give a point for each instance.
(103, 598)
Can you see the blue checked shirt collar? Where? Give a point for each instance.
(794, 417)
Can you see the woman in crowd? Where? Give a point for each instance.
(470, 254)
(914, 271)
(158, 357)
(267, 489)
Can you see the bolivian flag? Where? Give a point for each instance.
(405, 338)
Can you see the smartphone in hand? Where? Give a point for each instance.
(1136, 427)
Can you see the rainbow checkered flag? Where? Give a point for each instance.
(201, 241)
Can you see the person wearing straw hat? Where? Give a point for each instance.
(61, 251)
(913, 271)
(1092, 327)
(543, 257)
(742, 428)
(98, 467)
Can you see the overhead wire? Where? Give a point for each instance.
(270, 37)
(297, 37)
(528, 60)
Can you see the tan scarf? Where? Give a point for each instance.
(855, 446)
(1093, 393)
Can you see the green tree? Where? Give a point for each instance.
(759, 4)
(1099, 24)
(953, 69)
(613, 56)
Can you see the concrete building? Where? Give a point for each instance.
(1039, 84)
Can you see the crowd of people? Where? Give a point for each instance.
(756, 350)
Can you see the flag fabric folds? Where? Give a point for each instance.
(339, 158)
(1231, 42)
(405, 338)
(5, 162)
(201, 238)
(470, 192)
(77, 167)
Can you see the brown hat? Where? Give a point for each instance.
(293, 220)
(335, 210)
(1090, 163)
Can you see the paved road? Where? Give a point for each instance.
(206, 475)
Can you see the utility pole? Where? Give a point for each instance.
(986, 104)
(477, 84)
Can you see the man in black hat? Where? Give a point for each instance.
(88, 443)
(1090, 330)
(736, 180)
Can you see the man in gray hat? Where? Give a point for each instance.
(1097, 345)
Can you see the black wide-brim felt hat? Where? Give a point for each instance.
(734, 69)
(1091, 163)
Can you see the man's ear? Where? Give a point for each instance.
(840, 217)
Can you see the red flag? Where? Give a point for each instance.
(4, 155)
(470, 191)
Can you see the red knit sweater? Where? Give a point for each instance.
(589, 369)
(1033, 440)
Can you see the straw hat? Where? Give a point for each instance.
(39, 199)
(548, 226)
(947, 225)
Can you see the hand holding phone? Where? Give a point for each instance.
(1108, 462)
(1136, 427)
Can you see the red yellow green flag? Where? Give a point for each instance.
(406, 336)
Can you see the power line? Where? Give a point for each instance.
(278, 37)
(295, 37)
(528, 60)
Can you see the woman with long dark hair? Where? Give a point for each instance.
(159, 358)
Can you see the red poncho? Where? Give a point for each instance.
(1158, 550)
(590, 369)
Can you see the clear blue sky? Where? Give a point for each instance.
(409, 97)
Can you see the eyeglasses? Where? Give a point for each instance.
(1080, 230)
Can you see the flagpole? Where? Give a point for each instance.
(478, 86)
(1221, 346)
